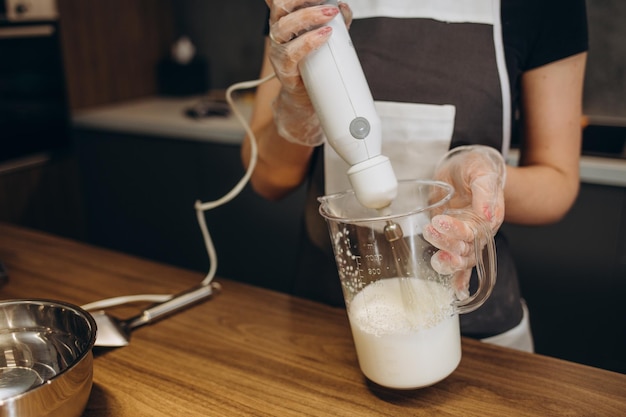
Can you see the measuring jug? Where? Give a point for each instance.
(404, 320)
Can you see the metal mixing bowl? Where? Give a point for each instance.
(46, 359)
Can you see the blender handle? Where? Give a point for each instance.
(486, 269)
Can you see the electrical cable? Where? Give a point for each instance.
(201, 207)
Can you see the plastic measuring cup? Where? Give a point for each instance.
(401, 346)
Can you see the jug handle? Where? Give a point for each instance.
(485, 269)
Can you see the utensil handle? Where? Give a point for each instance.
(177, 303)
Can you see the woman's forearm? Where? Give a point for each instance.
(281, 166)
(536, 195)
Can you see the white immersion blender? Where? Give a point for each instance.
(343, 102)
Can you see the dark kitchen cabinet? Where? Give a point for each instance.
(573, 276)
(42, 192)
(140, 193)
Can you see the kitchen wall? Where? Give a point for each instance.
(229, 34)
(605, 84)
(111, 48)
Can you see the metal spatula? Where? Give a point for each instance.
(116, 333)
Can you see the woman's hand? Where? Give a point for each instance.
(476, 210)
(296, 28)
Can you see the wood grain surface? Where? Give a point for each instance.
(253, 352)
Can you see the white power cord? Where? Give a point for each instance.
(201, 208)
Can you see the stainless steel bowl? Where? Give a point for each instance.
(46, 359)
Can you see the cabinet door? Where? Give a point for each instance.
(573, 277)
(140, 194)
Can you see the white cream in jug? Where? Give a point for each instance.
(396, 352)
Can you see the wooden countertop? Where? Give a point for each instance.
(250, 351)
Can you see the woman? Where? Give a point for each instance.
(443, 74)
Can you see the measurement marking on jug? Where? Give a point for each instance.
(374, 271)
(359, 266)
(368, 269)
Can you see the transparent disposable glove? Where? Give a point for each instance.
(296, 28)
(478, 174)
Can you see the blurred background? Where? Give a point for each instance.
(108, 137)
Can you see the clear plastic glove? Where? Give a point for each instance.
(297, 27)
(478, 174)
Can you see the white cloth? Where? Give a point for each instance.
(519, 337)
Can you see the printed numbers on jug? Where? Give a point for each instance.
(374, 271)
(374, 258)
